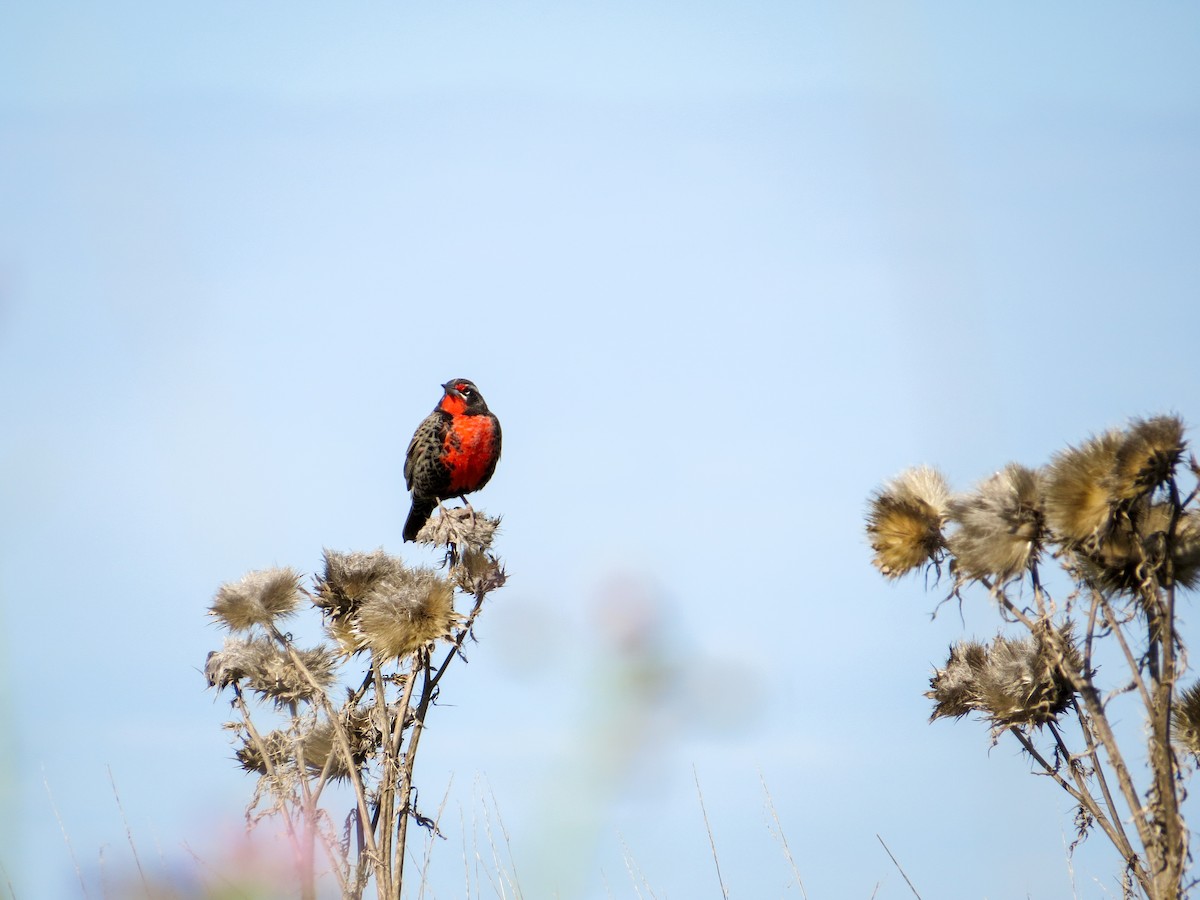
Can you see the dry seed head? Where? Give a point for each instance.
(1133, 553)
(318, 743)
(404, 614)
(232, 663)
(955, 687)
(257, 599)
(1187, 550)
(1021, 685)
(278, 751)
(1147, 456)
(1011, 681)
(999, 525)
(478, 572)
(1185, 724)
(349, 577)
(278, 678)
(267, 669)
(1078, 504)
(461, 527)
(904, 521)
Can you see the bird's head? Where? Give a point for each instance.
(462, 398)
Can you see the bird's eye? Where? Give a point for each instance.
(466, 391)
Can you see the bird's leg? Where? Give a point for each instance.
(470, 508)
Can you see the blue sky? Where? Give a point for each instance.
(719, 268)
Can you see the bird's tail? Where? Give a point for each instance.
(417, 517)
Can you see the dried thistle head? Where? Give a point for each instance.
(478, 572)
(1024, 683)
(318, 743)
(1132, 557)
(1185, 724)
(1187, 550)
(349, 577)
(1011, 681)
(278, 752)
(405, 613)
(955, 688)
(1148, 454)
(278, 678)
(266, 668)
(1000, 525)
(231, 663)
(904, 521)
(259, 598)
(1078, 503)
(461, 527)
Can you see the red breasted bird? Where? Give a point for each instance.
(454, 452)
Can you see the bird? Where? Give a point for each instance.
(453, 452)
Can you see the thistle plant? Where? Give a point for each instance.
(350, 711)
(1116, 518)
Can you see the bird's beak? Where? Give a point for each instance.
(448, 387)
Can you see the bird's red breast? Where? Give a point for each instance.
(469, 451)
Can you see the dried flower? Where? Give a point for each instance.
(278, 748)
(1011, 681)
(277, 677)
(1133, 555)
(1187, 550)
(349, 577)
(999, 525)
(230, 664)
(461, 527)
(404, 613)
(258, 599)
(1185, 723)
(1147, 456)
(478, 572)
(318, 743)
(955, 687)
(267, 669)
(904, 521)
(1078, 503)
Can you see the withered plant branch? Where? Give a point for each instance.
(1078, 791)
(1086, 688)
(1165, 764)
(430, 678)
(999, 595)
(899, 868)
(308, 888)
(397, 774)
(1104, 735)
(419, 659)
(385, 801)
(712, 842)
(1089, 740)
(382, 873)
(275, 781)
(1110, 620)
